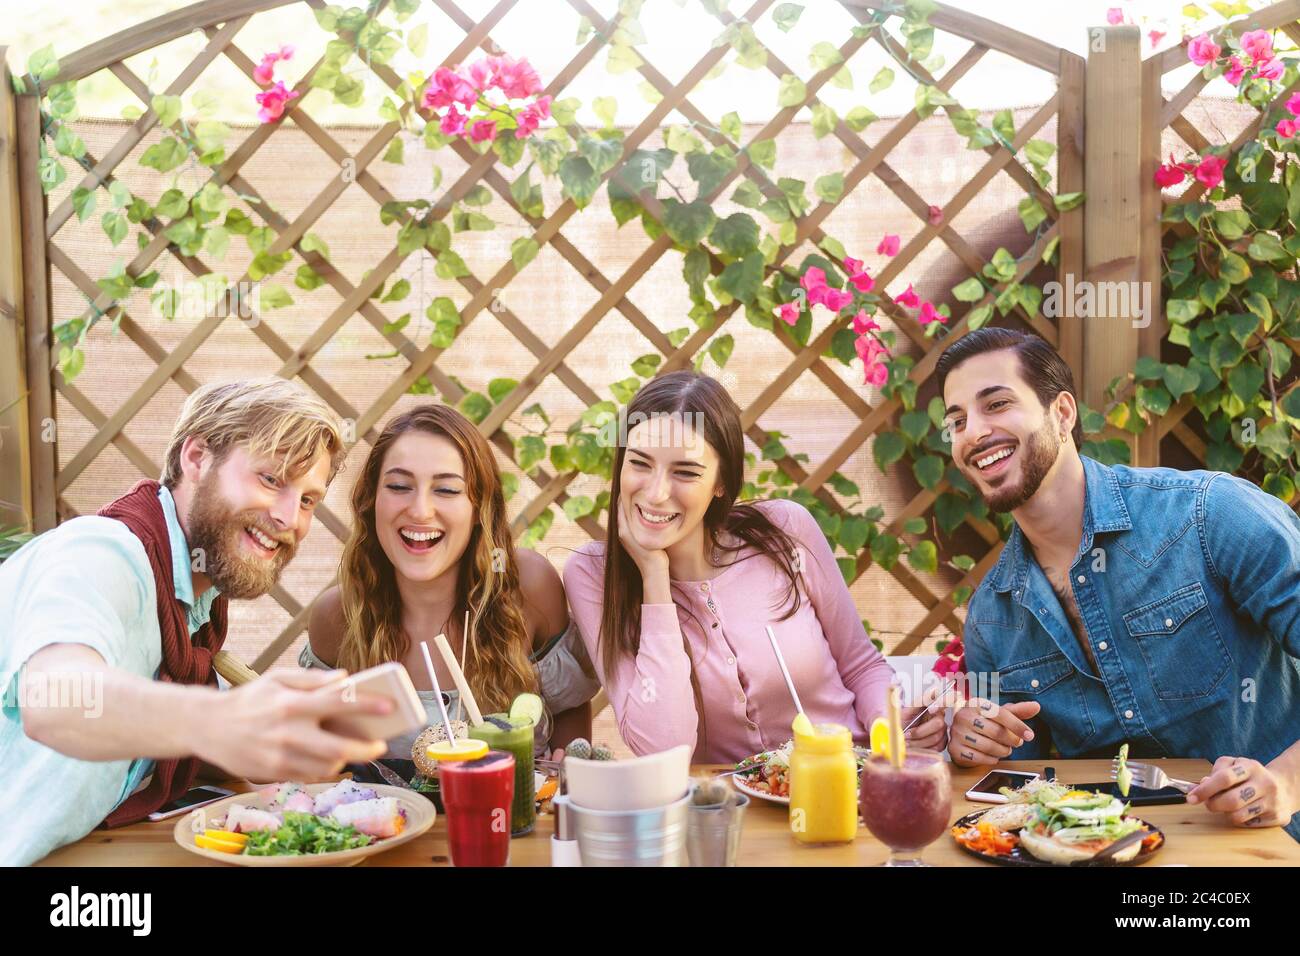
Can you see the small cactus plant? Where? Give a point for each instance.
(579, 747)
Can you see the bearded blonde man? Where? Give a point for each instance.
(108, 625)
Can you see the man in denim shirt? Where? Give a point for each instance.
(1142, 605)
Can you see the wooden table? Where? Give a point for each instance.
(1193, 835)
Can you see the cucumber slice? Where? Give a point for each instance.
(527, 706)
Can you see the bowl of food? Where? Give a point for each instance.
(638, 783)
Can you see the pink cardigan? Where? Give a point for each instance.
(840, 676)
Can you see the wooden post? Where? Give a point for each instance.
(1070, 166)
(1112, 208)
(1153, 333)
(15, 462)
(36, 317)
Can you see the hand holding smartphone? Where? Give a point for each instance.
(386, 680)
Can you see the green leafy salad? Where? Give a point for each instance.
(303, 833)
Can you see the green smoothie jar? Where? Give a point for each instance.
(513, 733)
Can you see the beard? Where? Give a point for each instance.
(1039, 454)
(215, 528)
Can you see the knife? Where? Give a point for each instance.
(1104, 856)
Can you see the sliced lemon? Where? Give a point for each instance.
(221, 846)
(228, 835)
(880, 736)
(457, 750)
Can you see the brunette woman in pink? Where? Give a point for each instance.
(674, 605)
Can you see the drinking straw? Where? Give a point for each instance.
(895, 728)
(462, 685)
(464, 639)
(437, 692)
(784, 671)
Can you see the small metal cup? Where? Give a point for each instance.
(654, 837)
(713, 833)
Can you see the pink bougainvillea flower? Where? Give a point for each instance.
(814, 278)
(834, 299)
(1202, 50)
(1155, 36)
(888, 246)
(789, 313)
(1209, 171)
(909, 299)
(1271, 70)
(935, 215)
(1167, 176)
(863, 323)
(875, 375)
(515, 78)
(1293, 104)
(862, 281)
(453, 123)
(1187, 166)
(531, 116)
(1258, 45)
(481, 75)
(483, 130)
(446, 87)
(1114, 15)
(1235, 71)
(1286, 128)
(930, 314)
(852, 266)
(952, 660)
(264, 72)
(273, 101)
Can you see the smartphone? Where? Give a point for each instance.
(387, 680)
(194, 797)
(1137, 796)
(986, 791)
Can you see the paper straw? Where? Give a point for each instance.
(464, 641)
(784, 672)
(462, 685)
(437, 692)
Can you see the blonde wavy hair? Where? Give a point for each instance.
(271, 417)
(497, 663)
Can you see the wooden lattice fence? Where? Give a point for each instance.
(1101, 239)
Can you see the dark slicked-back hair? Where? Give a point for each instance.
(1040, 364)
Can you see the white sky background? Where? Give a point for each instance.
(678, 33)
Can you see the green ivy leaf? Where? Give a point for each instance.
(829, 188)
(792, 91)
(115, 227)
(273, 296)
(824, 120)
(972, 290)
(720, 349)
(1180, 380)
(924, 556)
(523, 251)
(688, 223)
(786, 15)
(762, 153)
(742, 279)
(929, 471)
(400, 290)
(476, 407)
(825, 55)
(450, 265)
(307, 279)
(579, 180)
(887, 448)
(859, 118)
(1245, 380)
(1067, 201)
(882, 80)
(164, 155)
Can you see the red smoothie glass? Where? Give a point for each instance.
(477, 796)
(907, 808)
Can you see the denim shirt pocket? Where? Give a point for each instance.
(1052, 682)
(1185, 656)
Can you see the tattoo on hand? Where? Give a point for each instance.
(979, 724)
(1257, 809)
(1247, 795)
(969, 739)
(967, 755)
(1240, 771)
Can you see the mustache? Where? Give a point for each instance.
(253, 520)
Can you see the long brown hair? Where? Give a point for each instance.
(702, 400)
(497, 665)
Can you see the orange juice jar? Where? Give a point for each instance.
(823, 783)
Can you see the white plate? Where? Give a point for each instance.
(420, 815)
(757, 794)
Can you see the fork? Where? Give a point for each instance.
(1150, 777)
